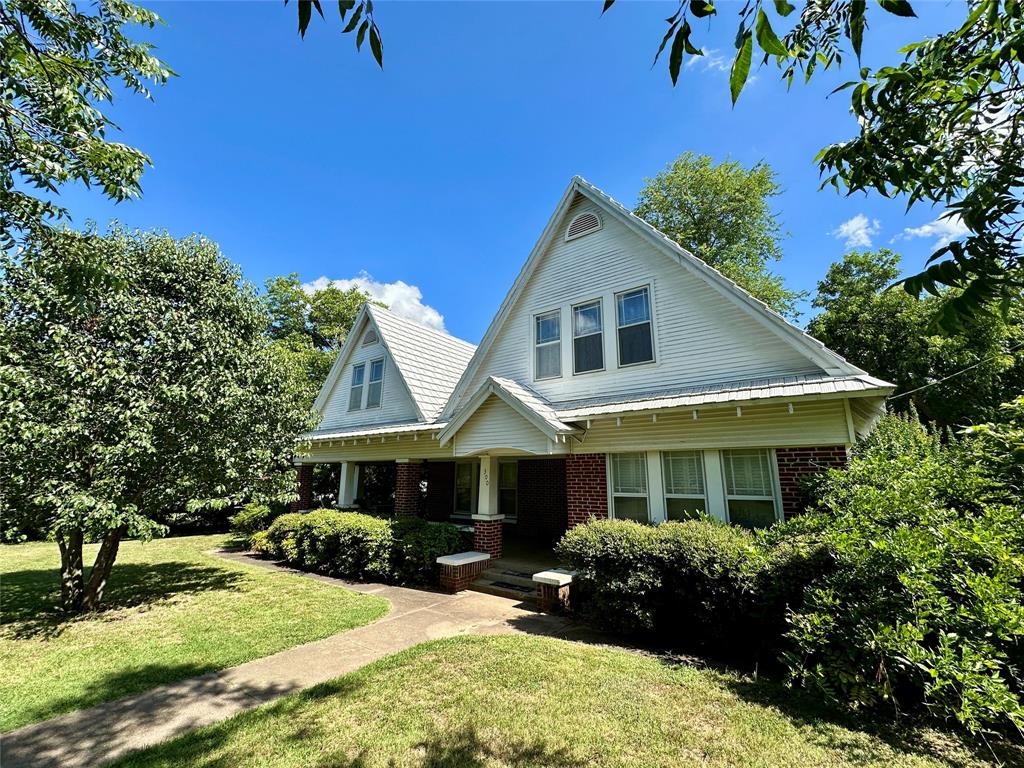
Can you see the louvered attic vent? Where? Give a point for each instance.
(583, 224)
(370, 338)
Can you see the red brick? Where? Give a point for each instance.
(797, 463)
(304, 487)
(586, 487)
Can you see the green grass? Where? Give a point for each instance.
(171, 611)
(527, 701)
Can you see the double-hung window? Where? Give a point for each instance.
(355, 394)
(508, 485)
(629, 487)
(750, 487)
(683, 474)
(587, 337)
(375, 389)
(548, 345)
(636, 342)
(465, 484)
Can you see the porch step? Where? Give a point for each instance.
(505, 589)
(508, 576)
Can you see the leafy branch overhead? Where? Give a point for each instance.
(361, 22)
(941, 127)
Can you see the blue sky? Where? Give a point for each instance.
(441, 171)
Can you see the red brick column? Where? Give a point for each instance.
(407, 488)
(455, 578)
(304, 486)
(487, 537)
(586, 487)
(798, 463)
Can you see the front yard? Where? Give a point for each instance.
(172, 611)
(526, 701)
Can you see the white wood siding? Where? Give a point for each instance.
(699, 337)
(379, 449)
(812, 423)
(497, 428)
(396, 405)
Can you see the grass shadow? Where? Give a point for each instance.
(31, 597)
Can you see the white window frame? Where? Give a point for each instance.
(361, 367)
(663, 455)
(649, 321)
(370, 382)
(537, 345)
(773, 470)
(653, 515)
(599, 301)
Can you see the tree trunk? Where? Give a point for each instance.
(101, 569)
(72, 576)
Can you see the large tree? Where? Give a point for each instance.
(136, 375)
(722, 214)
(887, 333)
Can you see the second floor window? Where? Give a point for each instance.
(376, 386)
(355, 394)
(548, 345)
(587, 337)
(636, 343)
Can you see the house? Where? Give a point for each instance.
(621, 377)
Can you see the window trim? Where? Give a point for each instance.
(557, 312)
(662, 455)
(776, 488)
(599, 301)
(361, 385)
(370, 382)
(650, 321)
(612, 493)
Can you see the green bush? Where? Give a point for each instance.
(416, 546)
(251, 518)
(281, 536)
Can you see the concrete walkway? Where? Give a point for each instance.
(97, 735)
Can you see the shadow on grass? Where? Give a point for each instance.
(31, 598)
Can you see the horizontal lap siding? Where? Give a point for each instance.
(701, 336)
(769, 426)
(392, 448)
(494, 426)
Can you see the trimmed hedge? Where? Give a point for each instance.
(357, 546)
(251, 518)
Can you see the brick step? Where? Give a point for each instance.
(519, 578)
(500, 589)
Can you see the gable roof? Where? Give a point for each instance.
(810, 347)
(527, 403)
(429, 362)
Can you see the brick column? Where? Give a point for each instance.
(407, 488)
(487, 534)
(304, 486)
(586, 487)
(797, 463)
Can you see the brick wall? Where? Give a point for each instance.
(440, 489)
(487, 537)
(304, 486)
(407, 488)
(586, 487)
(455, 578)
(541, 500)
(797, 463)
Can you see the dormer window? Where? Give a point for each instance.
(375, 389)
(355, 393)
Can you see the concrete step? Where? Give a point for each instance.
(520, 578)
(505, 589)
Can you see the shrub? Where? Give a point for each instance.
(281, 536)
(417, 545)
(260, 542)
(251, 518)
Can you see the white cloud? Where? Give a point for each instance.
(944, 229)
(857, 232)
(401, 298)
(712, 60)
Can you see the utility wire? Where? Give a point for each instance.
(1014, 348)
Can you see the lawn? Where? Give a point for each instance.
(528, 701)
(172, 611)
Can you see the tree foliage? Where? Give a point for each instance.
(58, 64)
(136, 376)
(887, 333)
(721, 213)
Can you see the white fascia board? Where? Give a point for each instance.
(339, 361)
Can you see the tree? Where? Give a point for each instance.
(886, 332)
(57, 64)
(136, 376)
(721, 214)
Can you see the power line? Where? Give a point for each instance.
(952, 375)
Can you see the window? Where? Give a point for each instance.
(636, 344)
(587, 337)
(749, 487)
(508, 483)
(548, 342)
(376, 387)
(683, 473)
(465, 487)
(629, 487)
(355, 395)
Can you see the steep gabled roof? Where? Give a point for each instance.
(813, 349)
(429, 362)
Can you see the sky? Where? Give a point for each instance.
(429, 182)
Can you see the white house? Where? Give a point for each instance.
(621, 377)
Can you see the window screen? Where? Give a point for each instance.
(355, 395)
(588, 337)
(683, 472)
(750, 487)
(629, 487)
(633, 310)
(376, 387)
(548, 344)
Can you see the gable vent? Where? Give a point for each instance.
(583, 224)
(370, 338)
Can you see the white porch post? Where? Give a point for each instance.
(347, 486)
(488, 522)
(487, 499)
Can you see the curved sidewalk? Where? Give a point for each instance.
(94, 736)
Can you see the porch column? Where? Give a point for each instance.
(407, 487)
(487, 522)
(347, 486)
(304, 486)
